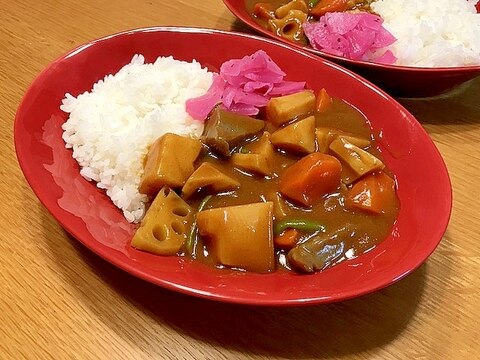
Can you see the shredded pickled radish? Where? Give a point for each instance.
(356, 36)
(244, 86)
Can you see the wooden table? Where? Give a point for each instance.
(58, 300)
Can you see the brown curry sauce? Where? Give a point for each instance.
(369, 229)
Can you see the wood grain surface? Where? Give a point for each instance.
(60, 301)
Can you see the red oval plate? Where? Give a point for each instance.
(405, 81)
(86, 212)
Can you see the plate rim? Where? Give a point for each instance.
(103, 250)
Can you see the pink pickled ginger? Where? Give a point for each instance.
(244, 86)
(356, 36)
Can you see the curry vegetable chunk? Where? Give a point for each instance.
(164, 228)
(312, 177)
(359, 160)
(208, 177)
(297, 137)
(282, 109)
(224, 130)
(321, 250)
(325, 136)
(240, 236)
(299, 188)
(169, 162)
(259, 158)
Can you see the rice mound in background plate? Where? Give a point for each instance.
(111, 127)
(432, 33)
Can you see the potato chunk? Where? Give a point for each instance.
(240, 236)
(165, 226)
(281, 109)
(169, 162)
(211, 179)
(260, 160)
(361, 161)
(298, 137)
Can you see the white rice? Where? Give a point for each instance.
(432, 33)
(111, 127)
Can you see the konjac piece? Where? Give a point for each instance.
(297, 137)
(320, 251)
(209, 178)
(224, 130)
(240, 236)
(310, 178)
(169, 162)
(165, 226)
(361, 161)
(282, 109)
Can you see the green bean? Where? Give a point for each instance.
(203, 203)
(244, 151)
(312, 3)
(192, 237)
(299, 224)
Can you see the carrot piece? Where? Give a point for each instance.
(324, 6)
(374, 193)
(324, 101)
(264, 11)
(310, 178)
(287, 239)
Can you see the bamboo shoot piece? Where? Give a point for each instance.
(325, 136)
(240, 236)
(169, 162)
(298, 137)
(280, 207)
(359, 160)
(210, 179)
(282, 109)
(260, 159)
